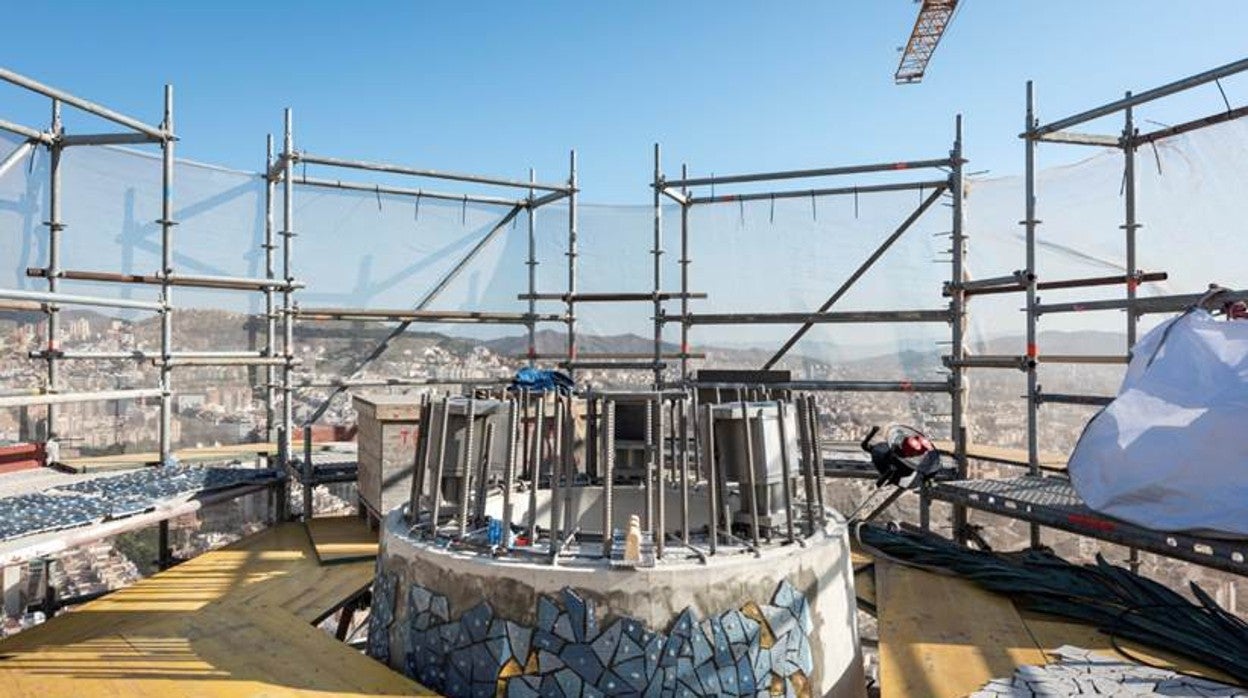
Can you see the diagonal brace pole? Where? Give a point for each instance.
(862, 269)
(423, 305)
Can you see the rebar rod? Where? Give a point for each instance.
(751, 463)
(465, 485)
(708, 453)
(647, 521)
(539, 441)
(684, 472)
(785, 469)
(444, 430)
(608, 477)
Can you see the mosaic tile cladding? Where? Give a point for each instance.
(761, 650)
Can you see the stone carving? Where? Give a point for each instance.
(761, 650)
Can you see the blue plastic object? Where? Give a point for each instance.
(538, 380)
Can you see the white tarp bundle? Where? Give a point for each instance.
(1171, 452)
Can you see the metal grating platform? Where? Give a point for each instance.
(91, 501)
(1053, 502)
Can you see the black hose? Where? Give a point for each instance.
(1115, 600)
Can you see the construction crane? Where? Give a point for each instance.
(933, 18)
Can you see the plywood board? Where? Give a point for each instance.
(941, 636)
(339, 539)
(232, 622)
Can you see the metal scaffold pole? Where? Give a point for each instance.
(1030, 223)
(1130, 226)
(532, 264)
(684, 279)
(55, 226)
(572, 223)
(957, 309)
(166, 288)
(658, 270)
(288, 235)
(270, 318)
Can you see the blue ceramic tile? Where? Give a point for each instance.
(629, 649)
(563, 628)
(723, 651)
(582, 660)
(746, 681)
(418, 598)
(708, 676)
(476, 621)
(633, 629)
(761, 666)
(728, 680)
(611, 684)
(545, 640)
(633, 672)
(456, 684)
(731, 621)
(500, 650)
(671, 650)
(684, 624)
(440, 608)
(574, 605)
(550, 687)
(523, 687)
(752, 629)
(605, 644)
(519, 637)
(547, 613)
(780, 620)
(654, 650)
(702, 651)
(498, 628)
(569, 683)
(785, 595)
(686, 671)
(548, 662)
(804, 659)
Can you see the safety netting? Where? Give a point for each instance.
(370, 249)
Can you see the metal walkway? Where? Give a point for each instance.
(1053, 502)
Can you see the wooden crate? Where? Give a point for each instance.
(388, 427)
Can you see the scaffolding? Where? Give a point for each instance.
(55, 139)
(280, 286)
(280, 170)
(1054, 503)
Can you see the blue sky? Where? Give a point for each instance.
(726, 86)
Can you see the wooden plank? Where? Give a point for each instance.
(864, 589)
(231, 622)
(942, 636)
(187, 455)
(339, 539)
(1051, 632)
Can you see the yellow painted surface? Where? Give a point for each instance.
(341, 538)
(232, 622)
(941, 636)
